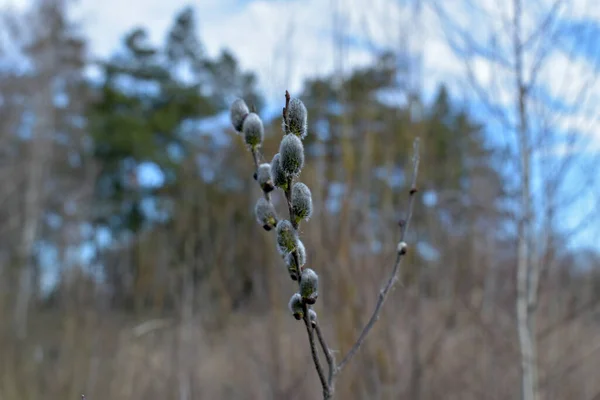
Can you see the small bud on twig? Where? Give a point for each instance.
(265, 214)
(402, 246)
(253, 130)
(238, 113)
(287, 238)
(296, 119)
(264, 178)
(290, 260)
(291, 155)
(312, 315)
(296, 307)
(309, 285)
(279, 178)
(301, 201)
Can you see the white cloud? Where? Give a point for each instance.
(283, 41)
(19, 5)
(106, 21)
(583, 9)
(288, 41)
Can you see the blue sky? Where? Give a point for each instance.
(286, 41)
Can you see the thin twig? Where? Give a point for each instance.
(285, 110)
(313, 351)
(255, 158)
(288, 199)
(393, 276)
(328, 355)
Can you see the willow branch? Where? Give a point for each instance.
(394, 274)
(328, 355)
(315, 356)
(306, 318)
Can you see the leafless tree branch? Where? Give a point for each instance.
(394, 274)
(328, 355)
(328, 382)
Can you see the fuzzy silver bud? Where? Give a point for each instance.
(401, 249)
(297, 117)
(287, 237)
(238, 113)
(312, 316)
(309, 286)
(291, 153)
(290, 260)
(264, 177)
(279, 178)
(301, 201)
(265, 214)
(296, 307)
(253, 130)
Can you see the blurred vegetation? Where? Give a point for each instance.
(170, 289)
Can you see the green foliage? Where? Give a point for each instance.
(147, 110)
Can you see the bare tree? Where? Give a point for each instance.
(39, 152)
(43, 135)
(523, 39)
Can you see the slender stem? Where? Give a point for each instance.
(307, 323)
(374, 317)
(255, 158)
(393, 276)
(285, 110)
(288, 198)
(413, 187)
(328, 355)
(315, 356)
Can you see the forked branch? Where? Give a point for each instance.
(282, 171)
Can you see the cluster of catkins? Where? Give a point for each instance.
(282, 172)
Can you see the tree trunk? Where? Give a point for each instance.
(526, 274)
(32, 208)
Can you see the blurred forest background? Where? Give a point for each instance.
(120, 286)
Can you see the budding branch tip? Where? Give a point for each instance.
(402, 248)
